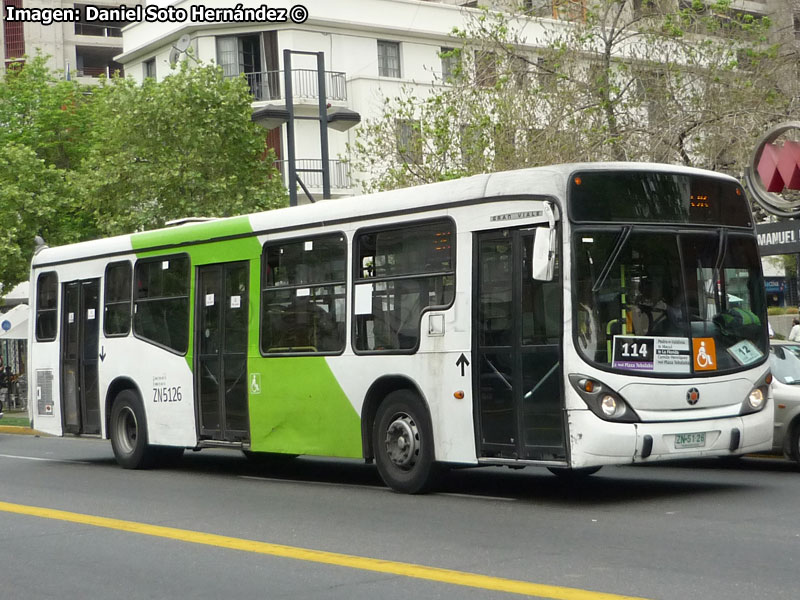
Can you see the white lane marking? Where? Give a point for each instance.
(56, 460)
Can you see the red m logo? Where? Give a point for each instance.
(779, 166)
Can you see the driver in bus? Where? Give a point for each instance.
(650, 308)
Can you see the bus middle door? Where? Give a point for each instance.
(221, 351)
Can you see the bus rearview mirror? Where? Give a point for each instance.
(544, 254)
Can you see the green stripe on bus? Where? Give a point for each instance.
(196, 233)
(301, 409)
(296, 404)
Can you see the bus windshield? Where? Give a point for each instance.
(674, 303)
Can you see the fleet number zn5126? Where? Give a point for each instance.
(167, 394)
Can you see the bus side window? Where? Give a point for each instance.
(303, 295)
(46, 307)
(117, 299)
(411, 269)
(161, 301)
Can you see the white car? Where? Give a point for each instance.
(784, 358)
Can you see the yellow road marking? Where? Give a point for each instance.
(460, 578)
(18, 429)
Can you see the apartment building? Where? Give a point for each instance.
(79, 47)
(371, 48)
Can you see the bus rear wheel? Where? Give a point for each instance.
(129, 432)
(402, 438)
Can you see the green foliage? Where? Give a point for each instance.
(46, 114)
(695, 86)
(79, 162)
(184, 146)
(30, 197)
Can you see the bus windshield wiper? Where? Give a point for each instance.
(612, 258)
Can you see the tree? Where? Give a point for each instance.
(80, 162)
(45, 113)
(184, 146)
(44, 123)
(609, 82)
(32, 202)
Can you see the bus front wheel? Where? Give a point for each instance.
(794, 442)
(402, 437)
(129, 432)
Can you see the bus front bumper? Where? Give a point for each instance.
(603, 442)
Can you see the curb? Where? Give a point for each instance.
(18, 430)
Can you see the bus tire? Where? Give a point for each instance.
(794, 442)
(402, 437)
(129, 432)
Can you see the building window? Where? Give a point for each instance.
(117, 298)
(46, 307)
(256, 56)
(303, 295)
(409, 141)
(161, 302)
(485, 68)
(149, 68)
(13, 33)
(569, 10)
(388, 59)
(451, 63)
(401, 273)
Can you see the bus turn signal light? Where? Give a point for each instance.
(459, 395)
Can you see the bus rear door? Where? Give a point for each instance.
(80, 405)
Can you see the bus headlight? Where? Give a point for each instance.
(758, 396)
(608, 404)
(602, 400)
(756, 399)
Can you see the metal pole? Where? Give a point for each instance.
(287, 78)
(323, 127)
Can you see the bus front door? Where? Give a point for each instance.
(517, 387)
(221, 351)
(80, 402)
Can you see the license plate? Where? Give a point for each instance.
(690, 440)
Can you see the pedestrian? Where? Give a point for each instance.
(794, 334)
(5, 384)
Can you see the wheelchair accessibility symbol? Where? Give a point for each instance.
(255, 383)
(705, 354)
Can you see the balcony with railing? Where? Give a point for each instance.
(309, 170)
(269, 85)
(92, 61)
(107, 71)
(92, 29)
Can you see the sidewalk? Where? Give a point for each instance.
(16, 421)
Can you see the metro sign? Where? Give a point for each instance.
(774, 168)
(779, 167)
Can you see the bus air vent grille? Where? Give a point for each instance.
(44, 391)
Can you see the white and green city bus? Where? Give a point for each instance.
(570, 317)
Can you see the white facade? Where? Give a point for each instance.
(349, 35)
